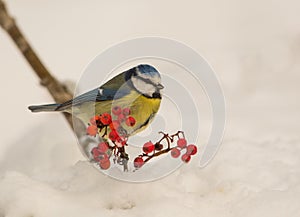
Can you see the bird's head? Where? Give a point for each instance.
(146, 80)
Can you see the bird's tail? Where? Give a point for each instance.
(44, 108)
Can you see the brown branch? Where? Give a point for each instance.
(156, 154)
(57, 90)
(169, 139)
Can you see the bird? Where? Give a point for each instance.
(138, 88)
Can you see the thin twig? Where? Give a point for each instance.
(57, 90)
(169, 139)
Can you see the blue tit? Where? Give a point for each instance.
(137, 89)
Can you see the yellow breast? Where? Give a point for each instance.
(142, 108)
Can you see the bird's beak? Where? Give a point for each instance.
(159, 86)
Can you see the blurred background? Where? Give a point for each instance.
(254, 47)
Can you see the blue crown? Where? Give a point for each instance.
(147, 69)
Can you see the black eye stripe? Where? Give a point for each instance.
(146, 80)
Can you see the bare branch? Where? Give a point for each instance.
(57, 90)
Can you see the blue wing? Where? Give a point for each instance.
(95, 95)
(99, 94)
(115, 88)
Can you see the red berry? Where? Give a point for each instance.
(103, 147)
(121, 141)
(92, 130)
(105, 164)
(103, 157)
(113, 135)
(175, 153)
(181, 143)
(95, 120)
(130, 121)
(116, 110)
(158, 146)
(186, 158)
(105, 119)
(121, 117)
(126, 111)
(114, 125)
(95, 152)
(191, 149)
(148, 147)
(138, 162)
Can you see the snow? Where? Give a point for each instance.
(247, 178)
(254, 48)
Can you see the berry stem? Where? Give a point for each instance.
(158, 153)
(169, 139)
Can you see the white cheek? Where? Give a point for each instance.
(149, 89)
(143, 87)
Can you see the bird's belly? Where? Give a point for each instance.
(143, 109)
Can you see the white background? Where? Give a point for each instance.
(254, 46)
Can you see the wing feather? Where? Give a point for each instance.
(115, 88)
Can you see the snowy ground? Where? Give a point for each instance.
(253, 46)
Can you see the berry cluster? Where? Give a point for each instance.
(101, 155)
(148, 148)
(110, 127)
(105, 121)
(151, 150)
(182, 145)
(113, 131)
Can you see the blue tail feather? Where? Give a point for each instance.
(44, 108)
